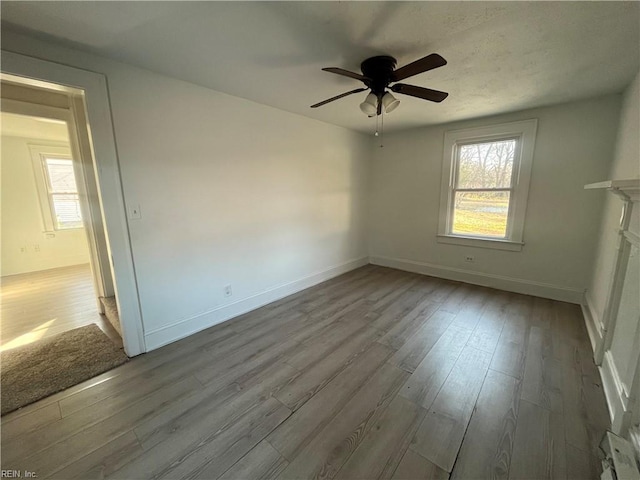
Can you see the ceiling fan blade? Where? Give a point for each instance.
(338, 96)
(420, 92)
(423, 65)
(347, 73)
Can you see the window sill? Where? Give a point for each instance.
(496, 244)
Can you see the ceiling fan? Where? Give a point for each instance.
(379, 72)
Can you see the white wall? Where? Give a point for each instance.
(574, 146)
(231, 193)
(25, 245)
(626, 165)
(619, 358)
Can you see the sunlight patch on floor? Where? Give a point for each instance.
(29, 337)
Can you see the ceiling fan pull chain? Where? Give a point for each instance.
(382, 128)
(376, 134)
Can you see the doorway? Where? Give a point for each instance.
(55, 270)
(101, 172)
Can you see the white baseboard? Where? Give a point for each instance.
(183, 328)
(592, 323)
(613, 392)
(500, 282)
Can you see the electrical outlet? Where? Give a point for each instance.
(36, 248)
(227, 291)
(23, 249)
(469, 258)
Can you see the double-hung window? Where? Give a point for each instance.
(57, 188)
(62, 193)
(485, 184)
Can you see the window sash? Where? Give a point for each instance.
(51, 193)
(453, 187)
(58, 210)
(452, 211)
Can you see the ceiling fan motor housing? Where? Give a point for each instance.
(379, 69)
(378, 72)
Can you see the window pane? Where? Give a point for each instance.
(67, 210)
(486, 165)
(481, 214)
(61, 177)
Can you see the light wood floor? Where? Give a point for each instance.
(41, 304)
(374, 374)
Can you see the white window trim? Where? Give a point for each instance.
(38, 155)
(525, 131)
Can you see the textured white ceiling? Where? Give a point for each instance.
(503, 56)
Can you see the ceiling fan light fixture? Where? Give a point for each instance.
(370, 105)
(389, 102)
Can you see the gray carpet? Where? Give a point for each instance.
(47, 366)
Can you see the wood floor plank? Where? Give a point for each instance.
(488, 442)
(104, 461)
(471, 310)
(311, 380)
(299, 302)
(423, 385)
(406, 327)
(542, 314)
(383, 447)
(409, 356)
(579, 465)
(210, 407)
(489, 328)
(314, 349)
(122, 393)
(388, 292)
(227, 448)
(60, 454)
(225, 370)
(298, 430)
(441, 433)
(391, 375)
(28, 423)
(332, 446)
(262, 463)
(202, 452)
(442, 289)
(395, 312)
(70, 425)
(585, 413)
(510, 353)
(328, 304)
(415, 467)
(456, 299)
(539, 446)
(542, 382)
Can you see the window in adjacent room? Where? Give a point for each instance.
(57, 188)
(63, 193)
(485, 185)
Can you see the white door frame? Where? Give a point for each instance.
(108, 180)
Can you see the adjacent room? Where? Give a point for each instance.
(346, 239)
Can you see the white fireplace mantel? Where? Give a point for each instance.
(627, 189)
(617, 344)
